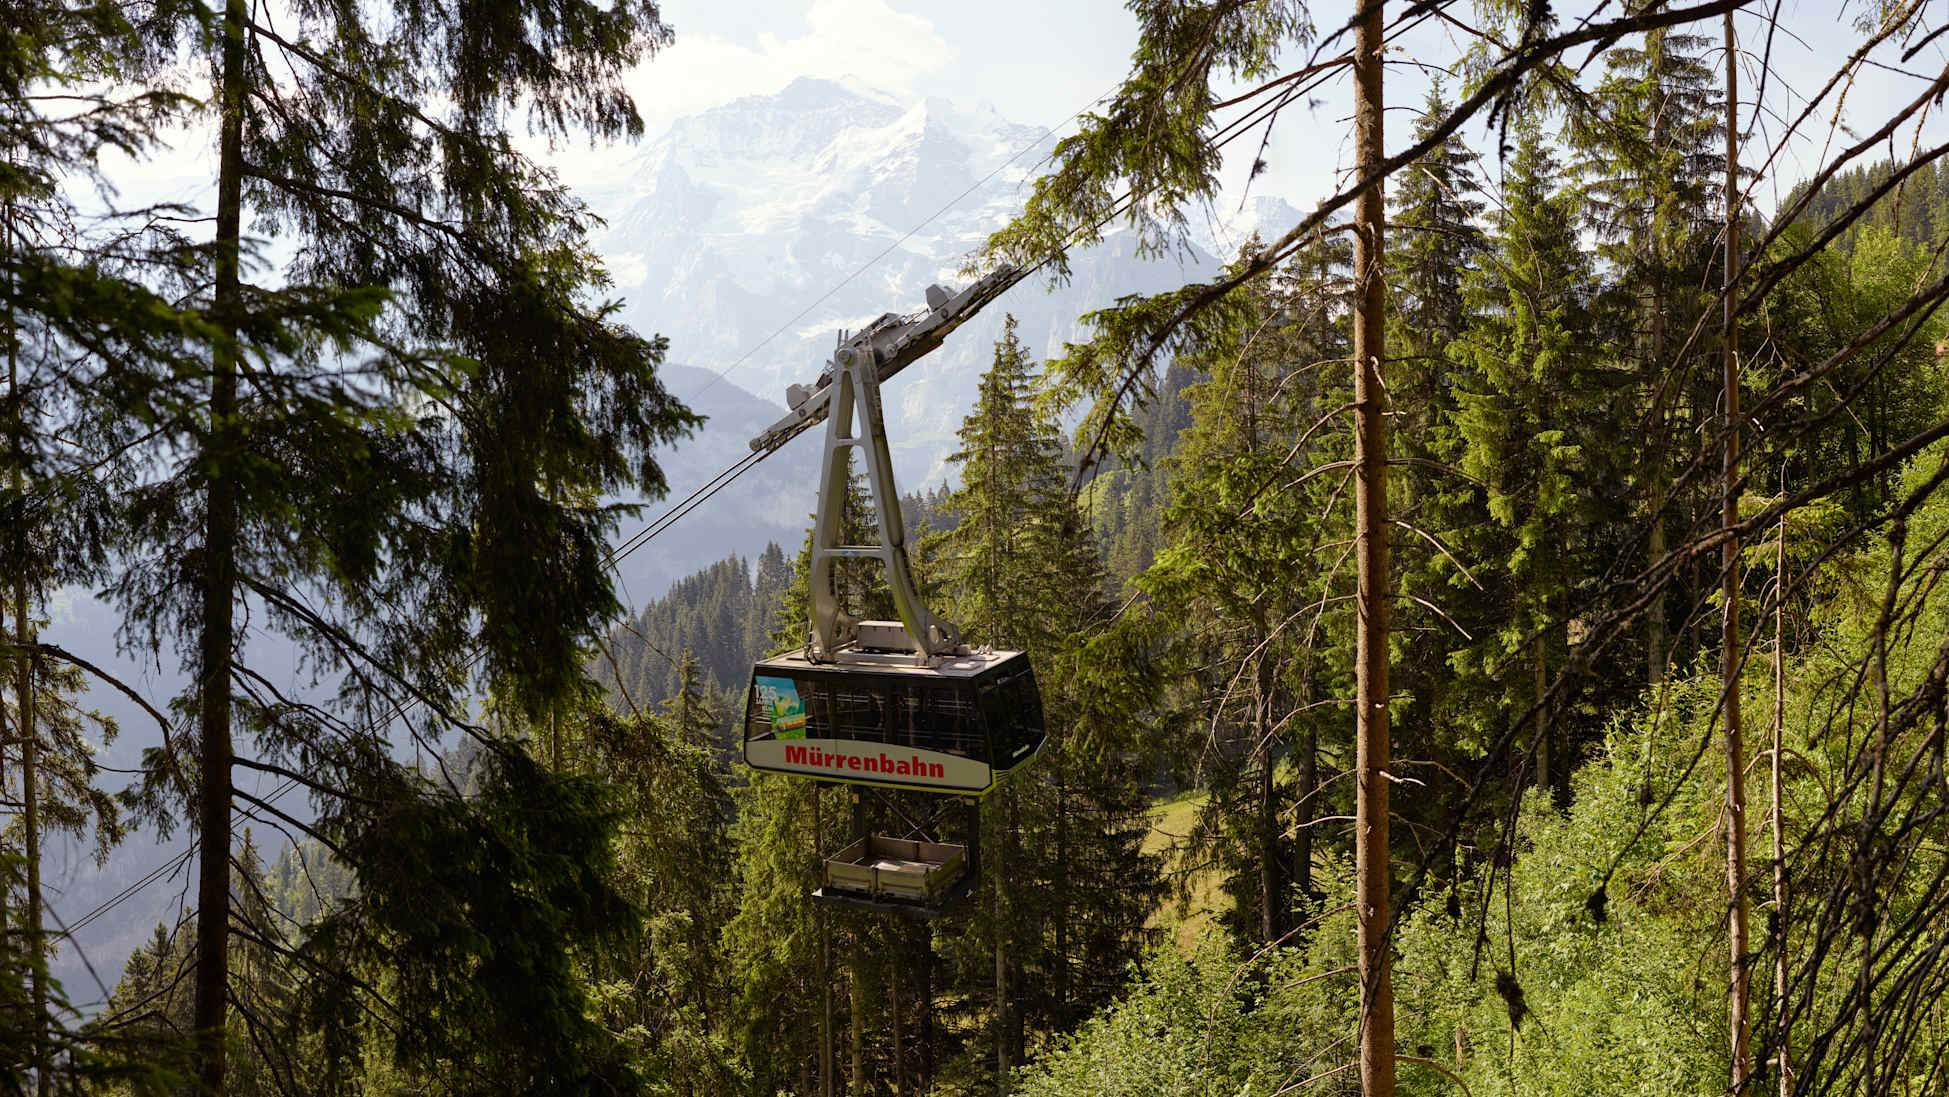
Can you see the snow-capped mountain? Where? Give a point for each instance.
(771, 214)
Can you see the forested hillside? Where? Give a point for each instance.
(722, 617)
(1489, 638)
(1908, 200)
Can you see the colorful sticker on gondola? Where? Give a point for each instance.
(780, 698)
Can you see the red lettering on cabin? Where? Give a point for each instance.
(914, 767)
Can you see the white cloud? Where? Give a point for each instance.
(864, 39)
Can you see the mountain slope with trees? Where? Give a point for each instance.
(1522, 579)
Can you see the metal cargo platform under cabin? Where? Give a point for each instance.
(896, 876)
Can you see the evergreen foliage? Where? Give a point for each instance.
(1069, 887)
(1538, 410)
(667, 991)
(1914, 207)
(387, 450)
(395, 449)
(723, 615)
(1574, 965)
(1252, 650)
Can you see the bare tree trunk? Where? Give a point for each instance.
(1065, 901)
(1740, 1004)
(11, 241)
(857, 1030)
(218, 583)
(1017, 1034)
(825, 958)
(1007, 1030)
(29, 736)
(1002, 1064)
(926, 1010)
(1655, 654)
(1309, 783)
(1542, 675)
(30, 809)
(1654, 628)
(1372, 876)
(899, 1041)
(856, 968)
(30, 804)
(1781, 978)
(1271, 924)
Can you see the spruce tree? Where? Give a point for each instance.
(780, 947)
(383, 449)
(1251, 487)
(74, 89)
(1650, 172)
(1437, 204)
(1437, 244)
(668, 990)
(1068, 887)
(1536, 412)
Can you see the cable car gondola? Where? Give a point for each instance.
(876, 719)
(886, 704)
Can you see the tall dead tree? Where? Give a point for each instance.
(1782, 977)
(1740, 1003)
(27, 734)
(1373, 878)
(218, 581)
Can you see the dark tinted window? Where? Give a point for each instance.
(941, 715)
(847, 708)
(936, 716)
(1013, 708)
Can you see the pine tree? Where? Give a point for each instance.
(56, 796)
(1437, 203)
(779, 946)
(1250, 513)
(1650, 174)
(1536, 412)
(1067, 888)
(768, 581)
(668, 991)
(151, 1009)
(1437, 244)
(1008, 466)
(383, 455)
(74, 89)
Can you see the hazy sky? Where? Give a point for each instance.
(1039, 61)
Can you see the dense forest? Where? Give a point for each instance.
(1491, 636)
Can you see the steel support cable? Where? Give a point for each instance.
(656, 527)
(689, 503)
(128, 893)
